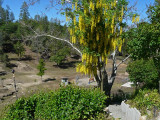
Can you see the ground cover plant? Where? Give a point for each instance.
(67, 103)
(146, 100)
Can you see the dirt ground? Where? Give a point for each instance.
(28, 82)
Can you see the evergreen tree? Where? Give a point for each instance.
(24, 14)
(45, 23)
(37, 17)
(11, 17)
(19, 48)
(2, 15)
(7, 13)
(1, 43)
(41, 68)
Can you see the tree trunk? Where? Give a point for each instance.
(103, 80)
(1, 82)
(106, 83)
(15, 86)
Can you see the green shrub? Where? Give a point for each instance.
(143, 71)
(146, 99)
(4, 58)
(60, 55)
(67, 103)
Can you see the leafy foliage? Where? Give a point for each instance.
(143, 71)
(67, 103)
(144, 41)
(41, 68)
(4, 58)
(153, 12)
(60, 55)
(19, 49)
(146, 99)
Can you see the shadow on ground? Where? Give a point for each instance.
(49, 79)
(67, 65)
(11, 65)
(24, 58)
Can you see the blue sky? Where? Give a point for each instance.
(39, 8)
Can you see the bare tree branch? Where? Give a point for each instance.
(123, 60)
(51, 36)
(114, 68)
(67, 41)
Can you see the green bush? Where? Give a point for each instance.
(60, 55)
(67, 103)
(146, 99)
(143, 71)
(4, 58)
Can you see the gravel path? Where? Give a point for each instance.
(116, 111)
(85, 82)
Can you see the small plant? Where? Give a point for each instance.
(19, 48)
(67, 103)
(146, 100)
(41, 68)
(4, 58)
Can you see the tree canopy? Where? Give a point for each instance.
(97, 26)
(24, 14)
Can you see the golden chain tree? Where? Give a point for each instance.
(93, 24)
(96, 25)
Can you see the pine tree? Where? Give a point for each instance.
(2, 15)
(12, 17)
(19, 48)
(7, 11)
(24, 14)
(41, 68)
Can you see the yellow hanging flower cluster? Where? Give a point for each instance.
(73, 39)
(80, 22)
(112, 4)
(72, 6)
(121, 29)
(99, 18)
(67, 19)
(97, 34)
(133, 18)
(74, 20)
(71, 31)
(126, 8)
(85, 10)
(97, 4)
(115, 2)
(137, 19)
(120, 48)
(112, 24)
(91, 5)
(76, 6)
(121, 15)
(122, 11)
